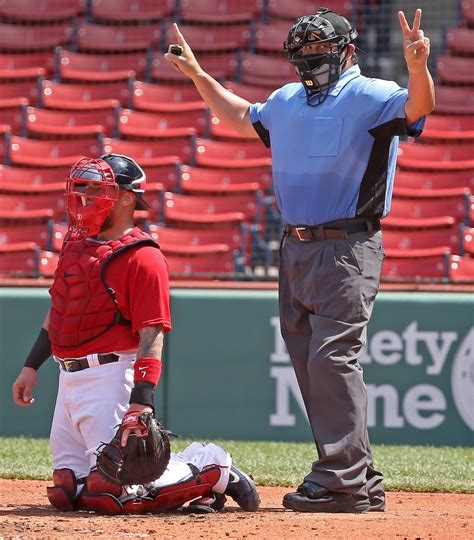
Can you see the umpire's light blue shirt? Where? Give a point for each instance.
(335, 160)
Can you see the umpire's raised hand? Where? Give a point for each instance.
(186, 61)
(416, 47)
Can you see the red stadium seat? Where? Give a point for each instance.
(460, 41)
(269, 38)
(32, 176)
(26, 259)
(138, 124)
(425, 267)
(28, 89)
(220, 66)
(454, 100)
(434, 179)
(455, 207)
(292, 9)
(37, 230)
(12, 111)
(438, 222)
(190, 211)
(19, 259)
(74, 66)
(219, 11)
(58, 153)
(461, 268)
(69, 124)
(434, 157)
(117, 38)
(195, 241)
(82, 97)
(19, 37)
(205, 266)
(4, 141)
(166, 174)
(46, 11)
(264, 70)
(17, 198)
(220, 131)
(166, 97)
(406, 240)
(208, 39)
(442, 128)
(446, 193)
(254, 94)
(59, 231)
(124, 11)
(455, 70)
(234, 155)
(468, 11)
(30, 60)
(152, 153)
(468, 241)
(206, 181)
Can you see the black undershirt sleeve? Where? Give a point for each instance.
(40, 351)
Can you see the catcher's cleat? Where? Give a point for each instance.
(206, 505)
(242, 489)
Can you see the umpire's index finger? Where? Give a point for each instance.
(179, 35)
(404, 23)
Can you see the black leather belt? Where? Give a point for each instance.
(333, 229)
(78, 364)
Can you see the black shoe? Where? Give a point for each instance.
(206, 505)
(242, 489)
(312, 497)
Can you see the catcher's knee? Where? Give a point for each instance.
(63, 494)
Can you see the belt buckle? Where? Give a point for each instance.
(298, 232)
(68, 363)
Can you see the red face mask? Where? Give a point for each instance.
(91, 195)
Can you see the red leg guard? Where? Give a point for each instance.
(62, 494)
(100, 495)
(96, 483)
(174, 496)
(102, 503)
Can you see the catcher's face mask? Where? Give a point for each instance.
(91, 193)
(320, 69)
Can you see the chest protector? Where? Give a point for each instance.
(84, 306)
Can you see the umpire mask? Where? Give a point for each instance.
(318, 71)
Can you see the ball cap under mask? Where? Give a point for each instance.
(319, 70)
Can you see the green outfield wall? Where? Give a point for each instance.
(228, 375)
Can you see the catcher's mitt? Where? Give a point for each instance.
(143, 459)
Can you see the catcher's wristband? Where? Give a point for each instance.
(40, 351)
(147, 369)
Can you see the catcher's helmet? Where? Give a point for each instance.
(325, 27)
(129, 176)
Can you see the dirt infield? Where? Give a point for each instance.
(25, 513)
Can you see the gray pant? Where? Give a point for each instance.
(326, 295)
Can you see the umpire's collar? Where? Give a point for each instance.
(348, 75)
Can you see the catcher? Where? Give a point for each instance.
(105, 328)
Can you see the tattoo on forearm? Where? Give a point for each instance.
(151, 342)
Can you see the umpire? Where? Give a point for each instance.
(334, 140)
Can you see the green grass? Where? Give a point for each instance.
(406, 468)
